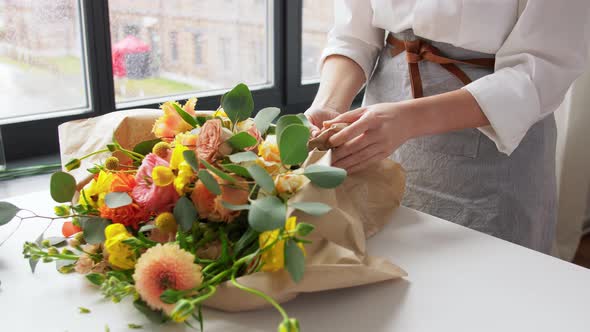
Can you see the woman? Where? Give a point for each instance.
(477, 140)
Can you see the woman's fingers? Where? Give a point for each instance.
(359, 157)
(355, 129)
(348, 117)
(367, 163)
(353, 146)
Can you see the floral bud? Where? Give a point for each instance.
(161, 149)
(183, 309)
(66, 269)
(66, 251)
(289, 325)
(166, 222)
(46, 243)
(47, 259)
(52, 251)
(80, 237)
(61, 210)
(73, 243)
(111, 163)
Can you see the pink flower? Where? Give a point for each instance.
(151, 197)
(211, 143)
(162, 267)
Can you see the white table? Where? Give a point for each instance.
(459, 280)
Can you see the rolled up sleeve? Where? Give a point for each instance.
(543, 55)
(353, 34)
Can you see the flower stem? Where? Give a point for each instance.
(259, 294)
(93, 153)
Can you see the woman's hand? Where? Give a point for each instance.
(374, 134)
(317, 115)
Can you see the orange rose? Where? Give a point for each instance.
(211, 143)
(210, 206)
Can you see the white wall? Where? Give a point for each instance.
(573, 166)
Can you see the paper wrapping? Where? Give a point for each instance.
(337, 256)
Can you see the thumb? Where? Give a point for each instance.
(348, 117)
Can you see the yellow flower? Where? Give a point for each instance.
(166, 222)
(162, 176)
(291, 182)
(95, 191)
(273, 259)
(120, 254)
(269, 150)
(220, 113)
(184, 178)
(177, 156)
(273, 168)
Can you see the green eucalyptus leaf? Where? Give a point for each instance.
(185, 116)
(185, 212)
(241, 157)
(304, 120)
(294, 260)
(209, 182)
(7, 212)
(93, 228)
(146, 147)
(96, 278)
(191, 158)
(218, 172)
(241, 141)
(238, 103)
(117, 199)
(62, 187)
(293, 144)
(325, 176)
(262, 178)
(267, 213)
(285, 121)
(303, 229)
(312, 208)
(237, 169)
(233, 207)
(265, 117)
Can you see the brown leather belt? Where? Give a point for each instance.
(420, 50)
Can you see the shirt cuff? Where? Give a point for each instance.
(362, 54)
(510, 101)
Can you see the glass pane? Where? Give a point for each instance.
(318, 18)
(179, 47)
(42, 69)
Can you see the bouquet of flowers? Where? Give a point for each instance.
(212, 203)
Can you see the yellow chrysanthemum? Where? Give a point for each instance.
(274, 258)
(120, 254)
(95, 191)
(177, 156)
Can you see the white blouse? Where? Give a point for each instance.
(541, 47)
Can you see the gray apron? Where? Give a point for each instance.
(461, 176)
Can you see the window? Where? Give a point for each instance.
(198, 49)
(318, 18)
(42, 60)
(166, 63)
(174, 46)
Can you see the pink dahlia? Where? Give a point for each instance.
(162, 267)
(151, 197)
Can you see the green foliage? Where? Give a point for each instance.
(285, 121)
(117, 199)
(185, 213)
(7, 212)
(238, 103)
(154, 316)
(237, 169)
(293, 144)
(209, 182)
(267, 213)
(84, 310)
(242, 140)
(325, 176)
(262, 178)
(241, 157)
(96, 278)
(93, 228)
(62, 187)
(234, 207)
(73, 164)
(304, 229)
(245, 241)
(294, 260)
(218, 172)
(185, 116)
(312, 208)
(145, 147)
(191, 158)
(265, 117)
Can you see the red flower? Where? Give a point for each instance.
(129, 215)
